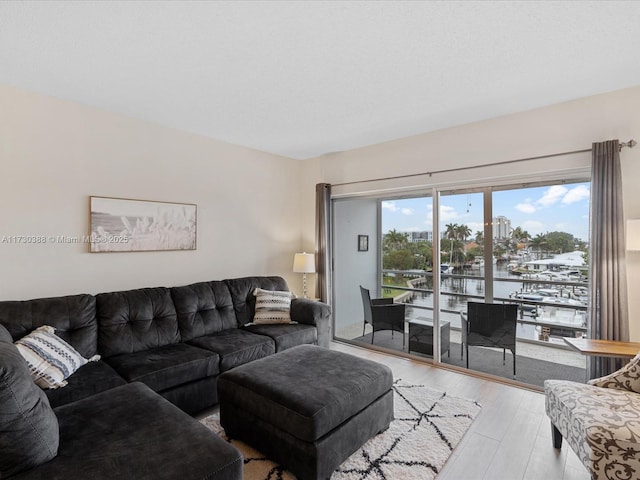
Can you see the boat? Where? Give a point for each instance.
(531, 308)
(564, 301)
(445, 268)
(478, 263)
(551, 276)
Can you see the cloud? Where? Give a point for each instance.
(553, 194)
(533, 227)
(525, 208)
(475, 227)
(391, 206)
(447, 214)
(576, 194)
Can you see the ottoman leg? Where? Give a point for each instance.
(556, 436)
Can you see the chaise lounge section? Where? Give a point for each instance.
(124, 432)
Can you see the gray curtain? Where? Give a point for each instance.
(323, 243)
(607, 313)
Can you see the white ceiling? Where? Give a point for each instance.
(302, 79)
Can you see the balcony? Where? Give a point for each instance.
(556, 310)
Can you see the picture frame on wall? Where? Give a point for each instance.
(128, 225)
(363, 243)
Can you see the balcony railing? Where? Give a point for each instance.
(550, 316)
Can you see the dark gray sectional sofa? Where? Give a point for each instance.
(171, 341)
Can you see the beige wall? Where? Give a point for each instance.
(558, 128)
(254, 209)
(55, 154)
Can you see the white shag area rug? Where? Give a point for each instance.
(427, 427)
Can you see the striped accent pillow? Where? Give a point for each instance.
(272, 306)
(51, 360)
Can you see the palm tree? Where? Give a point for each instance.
(538, 243)
(395, 240)
(463, 232)
(451, 232)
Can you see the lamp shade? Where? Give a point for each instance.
(633, 234)
(304, 263)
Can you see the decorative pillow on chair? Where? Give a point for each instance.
(627, 378)
(272, 306)
(51, 360)
(29, 434)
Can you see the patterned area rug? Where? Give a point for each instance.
(427, 427)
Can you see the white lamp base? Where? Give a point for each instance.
(304, 286)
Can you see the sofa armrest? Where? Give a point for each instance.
(310, 312)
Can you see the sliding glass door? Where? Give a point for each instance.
(523, 245)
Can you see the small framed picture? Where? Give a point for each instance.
(363, 243)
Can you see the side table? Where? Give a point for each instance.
(421, 336)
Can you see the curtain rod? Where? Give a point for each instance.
(631, 143)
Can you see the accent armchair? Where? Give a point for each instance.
(382, 314)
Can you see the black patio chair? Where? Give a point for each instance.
(491, 325)
(382, 314)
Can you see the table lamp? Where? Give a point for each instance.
(304, 263)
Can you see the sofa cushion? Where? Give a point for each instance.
(286, 336)
(165, 367)
(130, 432)
(28, 426)
(203, 308)
(92, 378)
(626, 378)
(241, 290)
(74, 318)
(272, 306)
(236, 347)
(51, 360)
(136, 320)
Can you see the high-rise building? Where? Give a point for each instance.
(420, 236)
(501, 227)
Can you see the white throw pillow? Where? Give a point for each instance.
(272, 306)
(51, 360)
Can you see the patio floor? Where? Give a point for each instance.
(535, 361)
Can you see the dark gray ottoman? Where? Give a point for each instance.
(308, 408)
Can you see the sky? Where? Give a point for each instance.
(563, 208)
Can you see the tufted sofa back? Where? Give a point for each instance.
(203, 308)
(136, 320)
(241, 290)
(74, 318)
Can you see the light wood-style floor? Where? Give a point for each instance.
(509, 440)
